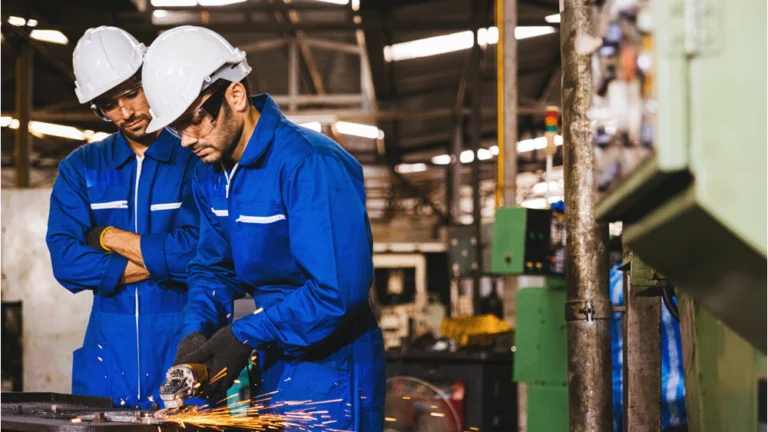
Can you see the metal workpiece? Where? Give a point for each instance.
(587, 269)
(642, 358)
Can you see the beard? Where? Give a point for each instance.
(136, 134)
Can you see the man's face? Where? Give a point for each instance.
(126, 106)
(211, 139)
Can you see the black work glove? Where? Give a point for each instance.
(188, 345)
(225, 357)
(93, 238)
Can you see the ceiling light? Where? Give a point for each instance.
(57, 130)
(17, 21)
(552, 18)
(442, 159)
(539, 143)
(531, 31)
(541, 188)
(173, 3)
(38, 129)
(218, 2)
(361, 130)
(92, 136)
(494, 150)
(429, 46)
(338, 2)
(406, 168)
(456, 42)
(160, 13)
(52, 36)
(484, 154)
(31, 23)
(467, 156)
(315, 126)
(355, 5)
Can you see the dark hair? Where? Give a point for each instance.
(224, 83)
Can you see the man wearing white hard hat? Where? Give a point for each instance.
(123, 225)
(283, 219)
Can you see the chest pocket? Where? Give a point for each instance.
(109, 206)
(162, 215)
(261, 241)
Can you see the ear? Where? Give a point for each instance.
(237, 97)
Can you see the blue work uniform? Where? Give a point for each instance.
(131, 337)
(288, 225)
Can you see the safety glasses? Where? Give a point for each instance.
(194, 124)
(110, 109)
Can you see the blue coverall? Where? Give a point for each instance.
(131, 337)
(288, 225)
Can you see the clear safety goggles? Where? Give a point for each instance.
(200, 122)
(110, 109)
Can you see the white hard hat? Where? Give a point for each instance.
(103, 58)
(180, 64)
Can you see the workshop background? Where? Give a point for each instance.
(633, 129)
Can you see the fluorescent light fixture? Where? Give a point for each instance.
(539, 143)
(31, 23)
(541, 188)
(57, 130)
(173, 3)
(160, 13)
(494, 150)
(484, 154)
(429, 46)
(406, 168)
(456, 42)
(52, 36)
(540, 203)
(467, 156)
(361, 130)
(218, 2)
(39, 129)
(17, 21)
(526, 32)
(338, 2)
(555, 18)
(92, 136)
(442, 159)
(315, 126)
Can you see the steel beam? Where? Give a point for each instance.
(588, 307)
(23, 140)
(328, 99)
(333, 45)
(264, 45)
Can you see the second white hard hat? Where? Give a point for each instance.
(103, 58)
(180, 64)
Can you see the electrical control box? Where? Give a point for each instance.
(528, 242)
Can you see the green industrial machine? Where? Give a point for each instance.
(530, 242)
(696, 210)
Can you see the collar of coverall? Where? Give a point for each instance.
(160, 150)
(265, 129)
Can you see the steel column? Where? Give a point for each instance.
(642, 349)
(293, 75)
(506, 21)
(475, 132)
(457, 147)
(23, 141)
(588, 307)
